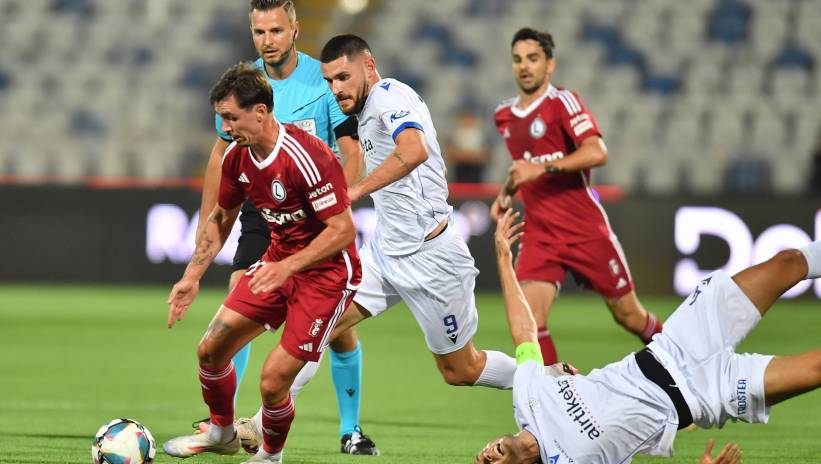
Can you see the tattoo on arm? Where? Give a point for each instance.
(203, 251)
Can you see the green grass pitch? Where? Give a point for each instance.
(73, 357)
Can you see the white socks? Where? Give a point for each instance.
(221, 434)
(812, 253)
(498, 372)
(305, 375)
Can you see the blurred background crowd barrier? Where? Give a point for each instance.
(705, 103)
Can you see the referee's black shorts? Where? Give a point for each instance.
(254, 238)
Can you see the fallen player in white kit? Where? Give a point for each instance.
(688, 374)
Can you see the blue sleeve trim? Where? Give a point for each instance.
(404, 126)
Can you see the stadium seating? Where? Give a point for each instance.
(696, 97)
(684, 91)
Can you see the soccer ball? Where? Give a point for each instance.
(123, 441)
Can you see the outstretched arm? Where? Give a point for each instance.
(504, 200)
(519, 317)
(210, 239)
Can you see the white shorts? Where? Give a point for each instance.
(436, 283)
(697, 346)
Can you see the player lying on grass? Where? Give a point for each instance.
(688, 374)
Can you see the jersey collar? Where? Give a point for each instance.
(271, 156)
(523, 113)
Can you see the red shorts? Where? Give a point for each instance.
(597, 264)
(309, 311)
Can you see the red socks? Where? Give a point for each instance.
(276, 422)
(218, 389)
(547, 347)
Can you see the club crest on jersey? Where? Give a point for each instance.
(278, 190)
(537, 128)
(316, 326)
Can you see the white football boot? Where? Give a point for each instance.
(265, 458)
(190, 445)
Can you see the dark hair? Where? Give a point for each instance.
(346, 45)
(247, 84)
(544, 38)
(267, 5)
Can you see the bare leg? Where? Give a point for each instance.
(462, 367)
(788, 376)
(540, 296)
(469, 366)
(353, 315)
(628, 312)
(785, 376)
(226, 334)
(765, 282)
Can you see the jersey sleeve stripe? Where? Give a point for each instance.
(570, 101)
(309, 162)
(404, 126)
(227, 150)
(299, 158)
(299, 165)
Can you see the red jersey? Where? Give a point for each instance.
(560, 208)
(297, 186)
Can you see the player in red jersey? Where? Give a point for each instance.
(306, 278)
(554, 141)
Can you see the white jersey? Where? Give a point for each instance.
(615, 413)
(574, 421)
(411, 207)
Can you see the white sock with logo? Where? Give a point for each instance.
(812, 253)
(498, 372)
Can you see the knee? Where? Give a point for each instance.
(345, 342)
(460, 375)
(792, 258)
(274, 388)
(207, 356)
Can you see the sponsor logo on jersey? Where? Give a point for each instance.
(537, 127)
(553, 459)
(244, 179)
(278, 190)
(308, 125)
(282, 218)
(399, 115)
(316, 326)
(320, 191)
(581, 124)
(741, 396)
(577, 411)
(324, 202)
(385, 85)
(506, 133)
(545, 158)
